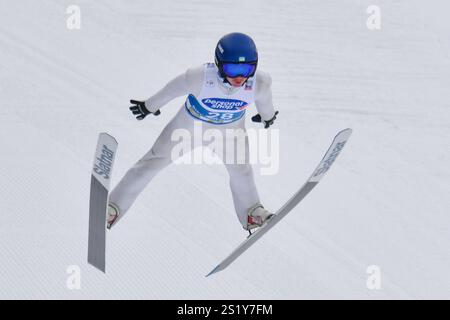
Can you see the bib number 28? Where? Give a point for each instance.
(220, 116)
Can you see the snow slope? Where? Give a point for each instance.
(385, 202)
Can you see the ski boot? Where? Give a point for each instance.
(113, 214)
(257, 216)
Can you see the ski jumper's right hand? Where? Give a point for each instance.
(140, 110)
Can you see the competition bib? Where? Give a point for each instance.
(215, 106)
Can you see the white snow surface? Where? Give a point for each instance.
(385, 202)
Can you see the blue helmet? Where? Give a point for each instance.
(237, 51)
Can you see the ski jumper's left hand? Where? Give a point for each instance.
(267, 123)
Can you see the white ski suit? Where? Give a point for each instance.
(217, 105)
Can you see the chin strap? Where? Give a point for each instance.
(227, 84)
(225, 81)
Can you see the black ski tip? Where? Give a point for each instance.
(98, 267)
(216, 269)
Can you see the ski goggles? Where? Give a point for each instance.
(234, 70)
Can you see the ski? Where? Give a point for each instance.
(333, 151)
(100, 181)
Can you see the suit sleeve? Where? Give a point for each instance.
(263, 96)
(186, 83)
